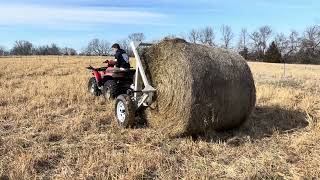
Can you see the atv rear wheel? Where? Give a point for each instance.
(124, 111)
(93, 87)
(110, 90)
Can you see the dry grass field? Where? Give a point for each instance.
(51, 128)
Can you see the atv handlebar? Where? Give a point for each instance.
(90, 68)
(110, 63)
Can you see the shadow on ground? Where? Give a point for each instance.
(264, 122)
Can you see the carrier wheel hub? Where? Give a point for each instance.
(121, 111)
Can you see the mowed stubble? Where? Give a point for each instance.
(51, 127)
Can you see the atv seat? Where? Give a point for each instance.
(117, 73)
(101, 69)
(117, 70)
(128, 72)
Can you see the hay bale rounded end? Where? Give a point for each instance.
(199, 88)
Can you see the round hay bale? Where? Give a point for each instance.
(199, 88)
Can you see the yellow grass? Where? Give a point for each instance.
(50, 127)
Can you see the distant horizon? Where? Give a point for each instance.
(71, 23)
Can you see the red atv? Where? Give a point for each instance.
(110, 81)
(130, 88)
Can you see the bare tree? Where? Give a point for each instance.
(69, 51)
(309, 51)
(53, 49)
(243, 39)
(136, 37)
(93, 47)
(227, 36)
(125, 45)
(282, 42)
(294, 42)
(206, 36)
(194, 36)
(260, 39)
(265, 33)
(98, 47)
(22, 48)
(256, 41)
(2, 51)
(311, 40)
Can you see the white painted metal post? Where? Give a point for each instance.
(140, 70)
(136, 81)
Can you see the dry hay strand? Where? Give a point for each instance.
(200, 89)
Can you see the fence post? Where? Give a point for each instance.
(284, 68)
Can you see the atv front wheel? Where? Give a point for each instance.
(93, 87)
(124, 111)
(110, 90)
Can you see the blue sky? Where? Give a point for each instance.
(74, 22)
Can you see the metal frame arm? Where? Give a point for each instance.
(140, 69)
(148, 89)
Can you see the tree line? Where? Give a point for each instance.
(95, 47)
(26, 48)
(98, 47)
(262, 44)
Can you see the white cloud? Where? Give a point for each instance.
(21, 14)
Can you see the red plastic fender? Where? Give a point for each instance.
(98, 77)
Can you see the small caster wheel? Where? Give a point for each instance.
(124, 111)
